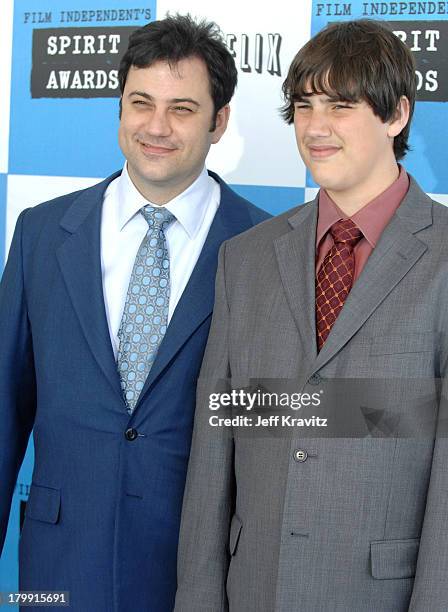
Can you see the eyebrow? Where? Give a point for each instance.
(330, 98)
(147, 96)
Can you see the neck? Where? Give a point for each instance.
(159, 195)
(354, 200)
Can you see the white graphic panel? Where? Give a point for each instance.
(310, 193)
(258, 148)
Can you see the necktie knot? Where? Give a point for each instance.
(157, 218)
(345, 232)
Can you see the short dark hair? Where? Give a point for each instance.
(178, 37)
(357, 60)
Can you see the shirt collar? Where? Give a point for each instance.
(371, 218)
(188, 207)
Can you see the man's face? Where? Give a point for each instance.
(165, 126)
(348, 149)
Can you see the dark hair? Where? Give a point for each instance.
(178, 37)
(357, 60)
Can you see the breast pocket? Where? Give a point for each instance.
(405, 342)
(44, 504)
(404, 355)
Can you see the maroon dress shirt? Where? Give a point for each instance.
(371, 220)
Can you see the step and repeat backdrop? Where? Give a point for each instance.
(59, 109)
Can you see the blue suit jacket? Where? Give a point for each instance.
(103, 514)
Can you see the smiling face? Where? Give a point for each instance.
(165, 126)
(346, 147)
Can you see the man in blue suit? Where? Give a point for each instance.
(105, 307)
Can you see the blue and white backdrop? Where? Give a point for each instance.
(59, 109)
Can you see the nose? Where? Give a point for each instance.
(158, 123)
(317, 124)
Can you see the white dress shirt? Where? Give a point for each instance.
(123, 229)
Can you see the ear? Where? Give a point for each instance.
(400, 119)
(222, 119)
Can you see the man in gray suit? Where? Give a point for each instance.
(346, 292)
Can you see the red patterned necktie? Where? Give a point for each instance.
(335, 277)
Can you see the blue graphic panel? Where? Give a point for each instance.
(9, 558)
(427, 159)
(274, 200)
(68, 136)
(334, 10)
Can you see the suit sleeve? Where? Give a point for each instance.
(430, 590)
(203, 557)
(17, 378)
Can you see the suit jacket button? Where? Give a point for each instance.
(300, 455)
(315, 379)
(131, 434)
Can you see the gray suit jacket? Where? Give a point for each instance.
(362, 523)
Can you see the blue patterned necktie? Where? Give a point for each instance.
(145, 313)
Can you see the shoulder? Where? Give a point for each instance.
(54, 210)
(418, 204)
(440, 211)
(271, 229)
(252, 253)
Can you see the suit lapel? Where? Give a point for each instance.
(389, 263)
(196, 302)
(80, 262)
(195, 305)
(295, 253)
(398, 250)
(396, 253)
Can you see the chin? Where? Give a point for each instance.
(327, 178)
(323, 180)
